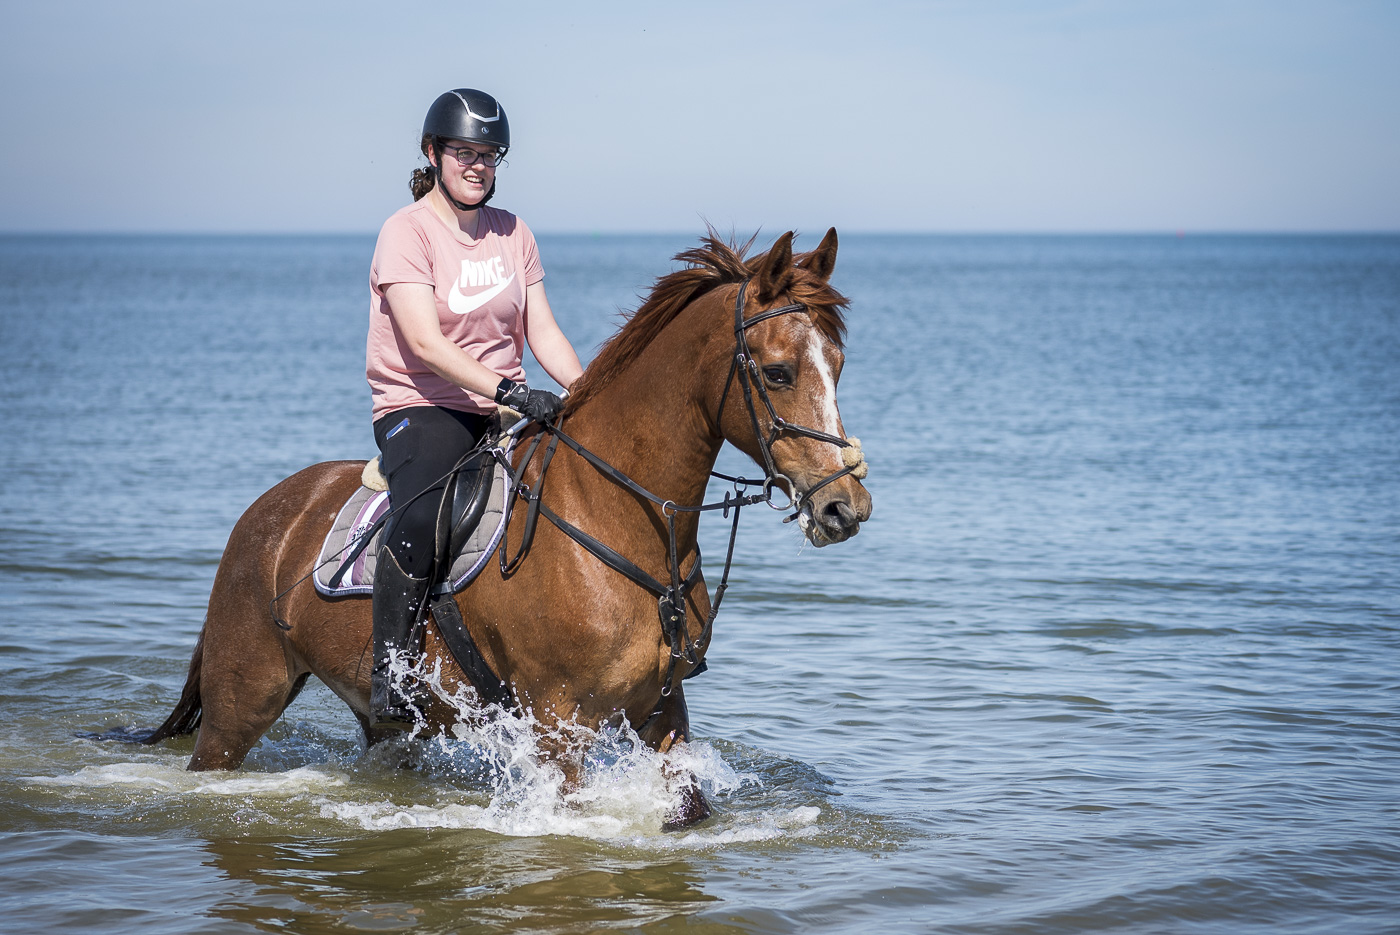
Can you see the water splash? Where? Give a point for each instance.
(491, 771)
(626, 789)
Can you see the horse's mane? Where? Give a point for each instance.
(709, 266)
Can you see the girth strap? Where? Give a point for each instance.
(453, 630)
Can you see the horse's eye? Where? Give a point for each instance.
(777, 375)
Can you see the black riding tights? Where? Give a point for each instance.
(417, 447)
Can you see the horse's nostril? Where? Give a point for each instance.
(838, 513)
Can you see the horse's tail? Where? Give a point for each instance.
(185, 718)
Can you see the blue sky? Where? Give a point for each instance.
(632, 116)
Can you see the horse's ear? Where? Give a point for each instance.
(821, 261)
(775, 270)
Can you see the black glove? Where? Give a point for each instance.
(540, 405)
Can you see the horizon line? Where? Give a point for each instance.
(863, 232)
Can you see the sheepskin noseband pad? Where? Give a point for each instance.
(854, 457)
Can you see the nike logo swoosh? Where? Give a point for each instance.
(465, 304)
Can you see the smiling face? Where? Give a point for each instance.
(465, 174)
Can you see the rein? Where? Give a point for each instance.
(671, 596)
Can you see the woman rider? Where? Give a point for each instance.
(456, 290)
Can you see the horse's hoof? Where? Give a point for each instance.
(397, 712)
(693, 810)
(390, 720)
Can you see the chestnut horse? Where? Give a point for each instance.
(574, 639)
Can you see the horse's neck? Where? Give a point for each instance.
(652, 428)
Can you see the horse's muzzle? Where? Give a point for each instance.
(834, 513)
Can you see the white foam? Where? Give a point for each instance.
(491, 774)
(800, 822)
(615, 824)
(173, 778)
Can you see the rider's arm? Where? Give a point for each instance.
(414, 310)
(554, 352)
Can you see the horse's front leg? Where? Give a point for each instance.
(670, 727)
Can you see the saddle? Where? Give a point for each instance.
(469, 529)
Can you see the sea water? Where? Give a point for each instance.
(1117, 650)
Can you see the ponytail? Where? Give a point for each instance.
(424, 177)
(422, 182)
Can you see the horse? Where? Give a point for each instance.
(573, 638)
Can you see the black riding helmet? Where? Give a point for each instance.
(470, 115)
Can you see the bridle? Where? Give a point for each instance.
(751, 380)
(672, 595)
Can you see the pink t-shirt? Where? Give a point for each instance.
(480, 290)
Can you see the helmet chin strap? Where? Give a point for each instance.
(442, 187)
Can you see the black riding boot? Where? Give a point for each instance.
(397, 598)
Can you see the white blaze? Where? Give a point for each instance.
(826, 398)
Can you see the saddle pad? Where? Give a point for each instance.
(364, 508)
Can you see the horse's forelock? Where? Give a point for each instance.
(826, 305)
(712, 264)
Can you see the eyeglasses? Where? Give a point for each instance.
(470, 157)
